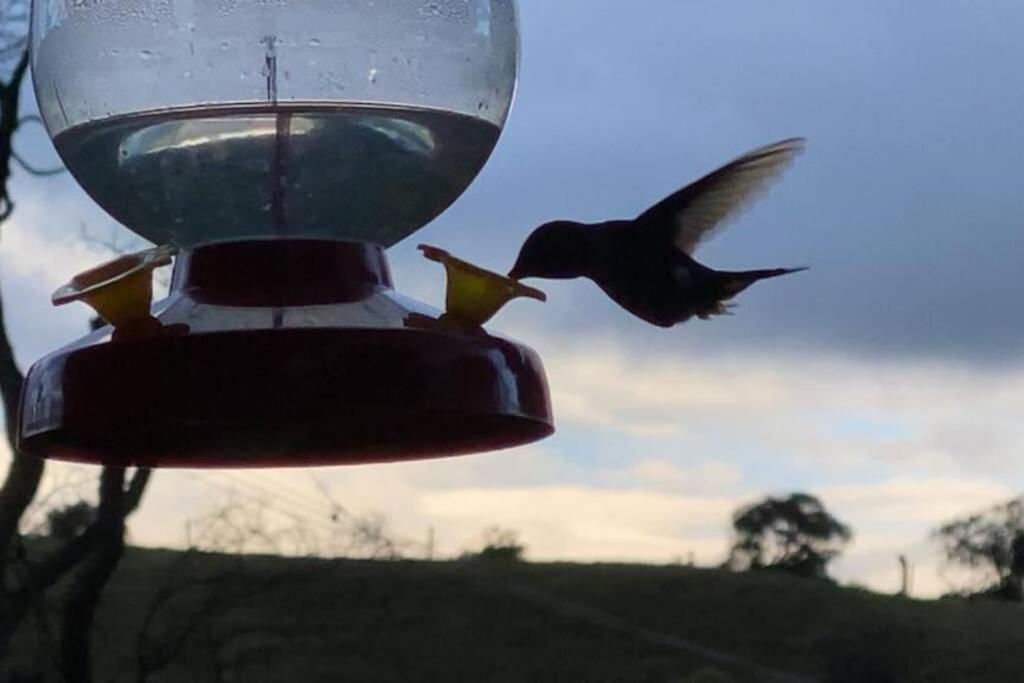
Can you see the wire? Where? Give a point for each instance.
(260, 496)
(283, 505)
(293, 494)
(276, 493)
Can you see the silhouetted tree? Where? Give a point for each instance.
(499, 545)
(991, 541)
(86, 558)
(796, 534)
(64, 523)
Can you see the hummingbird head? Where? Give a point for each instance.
(556, 250)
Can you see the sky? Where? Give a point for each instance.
(888, 379)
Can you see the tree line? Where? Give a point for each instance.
(798, 535)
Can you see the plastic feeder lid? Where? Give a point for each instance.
(474, 294)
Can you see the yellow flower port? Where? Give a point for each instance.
(475, 295)
(121, 290)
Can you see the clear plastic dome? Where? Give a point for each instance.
(195, 121)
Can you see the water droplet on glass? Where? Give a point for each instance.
(225, 45)
(315, 42)
(187, 74)
(146, 54)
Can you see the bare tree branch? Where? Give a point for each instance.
(10, 100)
(23, 477)
(34, 170)
(26, 165)
(116, 503)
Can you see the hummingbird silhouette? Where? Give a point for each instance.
(645, 264)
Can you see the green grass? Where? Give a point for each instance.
(273, 619)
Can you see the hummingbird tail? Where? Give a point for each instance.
(736, 282)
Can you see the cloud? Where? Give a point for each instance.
(827, 410)
(662, 496)
(892, 448)
(898, 502)
(30, 251)
(664, 476)
(888, 379)
(53, 234)
(896, 517)
(905, 204)
(585, 524)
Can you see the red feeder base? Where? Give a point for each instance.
(277, 353)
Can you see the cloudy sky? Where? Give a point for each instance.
(888, 379)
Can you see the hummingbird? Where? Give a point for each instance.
(645, 264)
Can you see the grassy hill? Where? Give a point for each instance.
(254, 618)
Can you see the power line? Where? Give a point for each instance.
(284, 504)
(301, 498)
(274, 492)
(297, 516)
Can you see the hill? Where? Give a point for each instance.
(202, 617)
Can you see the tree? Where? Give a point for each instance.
(796, 534)
(499, 545)
(87, 558)
(991, 541)
(64, 523)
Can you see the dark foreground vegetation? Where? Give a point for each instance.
(171, 616)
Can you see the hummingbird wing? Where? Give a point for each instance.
(699, 210)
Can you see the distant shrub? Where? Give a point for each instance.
(999, 592)
(65, 523)
(499, 545)
(859, 587)
(1004, 591)
(956, 595)
(990, 542)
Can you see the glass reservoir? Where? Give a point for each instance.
(197, 121)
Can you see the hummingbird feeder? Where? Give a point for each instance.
(275, 150)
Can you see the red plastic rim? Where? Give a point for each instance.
(357, 377)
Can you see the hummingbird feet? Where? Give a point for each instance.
(720, 308)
